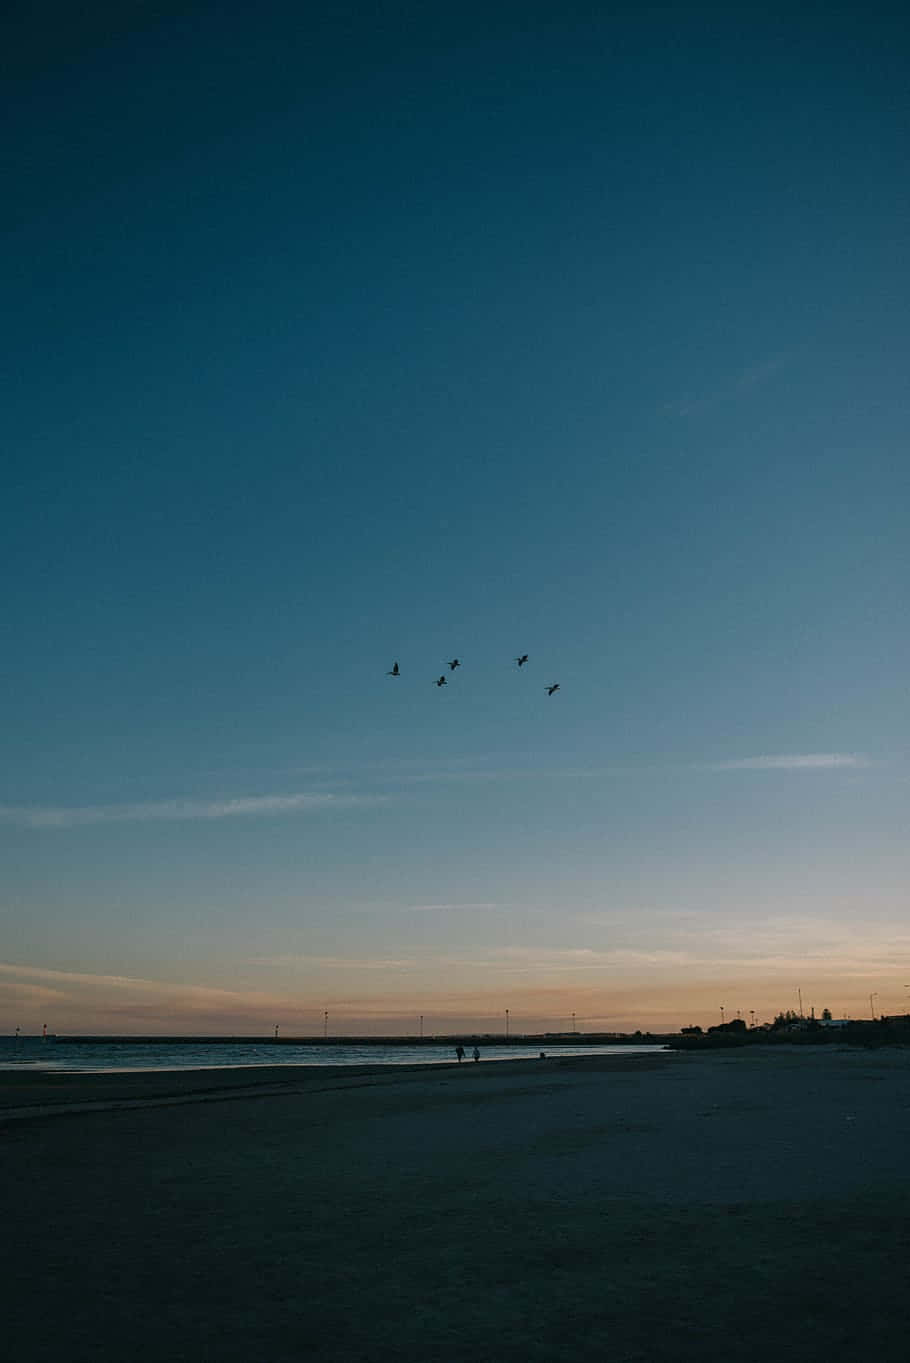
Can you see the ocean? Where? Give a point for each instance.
(34, 1053)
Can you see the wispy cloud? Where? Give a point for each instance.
(809, 761)
(84, 1000)
(562, 960)
(74, 816)
(735, 387)
(449, 908)
(401, 772)
(303, 961)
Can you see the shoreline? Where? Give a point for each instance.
(32, 1093)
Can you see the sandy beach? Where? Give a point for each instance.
(714, 1206)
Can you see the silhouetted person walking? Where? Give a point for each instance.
(476, 1053)
(459, 1051)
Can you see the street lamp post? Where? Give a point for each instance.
(507, 1024)
(873, 995)
(325, 1024)
(421, 1026)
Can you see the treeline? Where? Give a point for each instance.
(791, 1029)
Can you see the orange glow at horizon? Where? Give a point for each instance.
(110, 1005)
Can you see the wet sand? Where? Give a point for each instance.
(679, 1207)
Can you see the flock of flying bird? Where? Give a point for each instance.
(395, 671)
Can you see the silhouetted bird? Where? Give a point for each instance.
(456, 662)
(441, 681)
(394, 672)
(550, 689)
(522, 660)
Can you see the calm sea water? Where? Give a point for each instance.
(35, 1054)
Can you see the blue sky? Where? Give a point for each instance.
(345, 339)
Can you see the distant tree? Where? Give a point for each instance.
(691, 1031)
(786, 1019)
(826, 1015)
(734, 1025)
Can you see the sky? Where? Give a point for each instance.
(343, 335)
